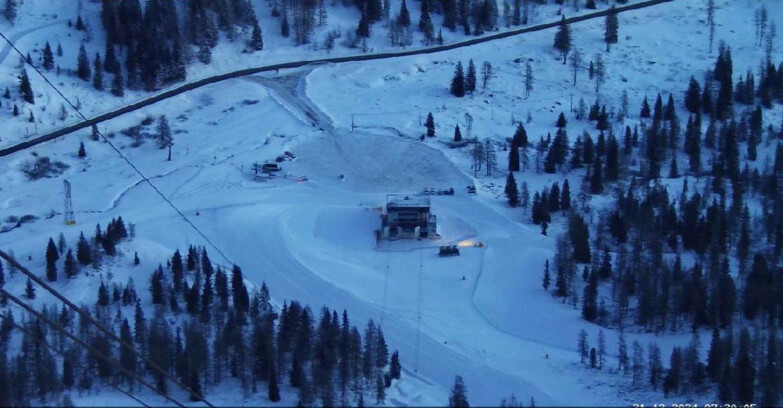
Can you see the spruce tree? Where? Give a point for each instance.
(48, 57)
(25, 88)
(285, 29)
(693, 96)
(51, 261)
(511, 190)
(69, 265)
(457, 134)
(256, 39)
(10, 10)
(83, 65)
(430, 125)
(273, 392)
(404, 17)
(395, 369)
(363, 30)
(458, 82)
(645, 112)
(563, 39)
(83, 250)
(596, 180)
(97, 76)
(513, 159)
(118, 85)
(459, 394)
(547, 277)
(425, 21)
(610, 28)
(29, 290)
(470, 78)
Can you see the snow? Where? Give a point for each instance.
(313, 242)
(40, 21)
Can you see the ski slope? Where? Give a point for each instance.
(312, 241)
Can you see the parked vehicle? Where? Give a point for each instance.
(449, 250)
(270, 167)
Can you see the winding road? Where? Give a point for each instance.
(18, 36)
(296, 64)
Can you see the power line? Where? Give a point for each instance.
(105, 139)
(90, 319)
(81, 342)
(160, 193)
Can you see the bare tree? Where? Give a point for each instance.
(477, 152)
(528, 79)
(770, 45)
(489, 151)
(576, 61)
(165, 138)
(600, 72)
(486, 74)
(711, 20)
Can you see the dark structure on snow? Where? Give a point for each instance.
(408, 217)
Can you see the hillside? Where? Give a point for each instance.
(643, 234)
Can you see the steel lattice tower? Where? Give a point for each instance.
(70, 219)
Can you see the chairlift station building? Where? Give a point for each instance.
(408, 217)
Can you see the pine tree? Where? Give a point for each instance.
(645, 112)
(693, 96)
(563, 39)
(103, 295)
(51, 261)
(10, 11)
(672, 380)
(590, 298)
(404, 17)
(69, 265)
(611, 27)
(458, 82)
(48, 57)
(470, 78)
(582, 346)
(118, 85)
(25, 88)
(487, 73)
(363, 30)
(83, 251)
(457, 134)
(459, 394)
(256, 39)
(430, 125)
(596, 179)
(273, 392)
(83, 65)
(513, 158)
(511, 190)
(565, 197)
(622, 353)
(395, 369)
(425, 21)
(165, 138)
(285, 29)
(29, 290)
(97, 76)
(545, 282)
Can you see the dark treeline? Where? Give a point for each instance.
(202, 325)
(702, 257)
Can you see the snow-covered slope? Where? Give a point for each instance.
(481, 315)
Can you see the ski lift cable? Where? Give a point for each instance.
(155, 367)
(125, 158)
(57, 327)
